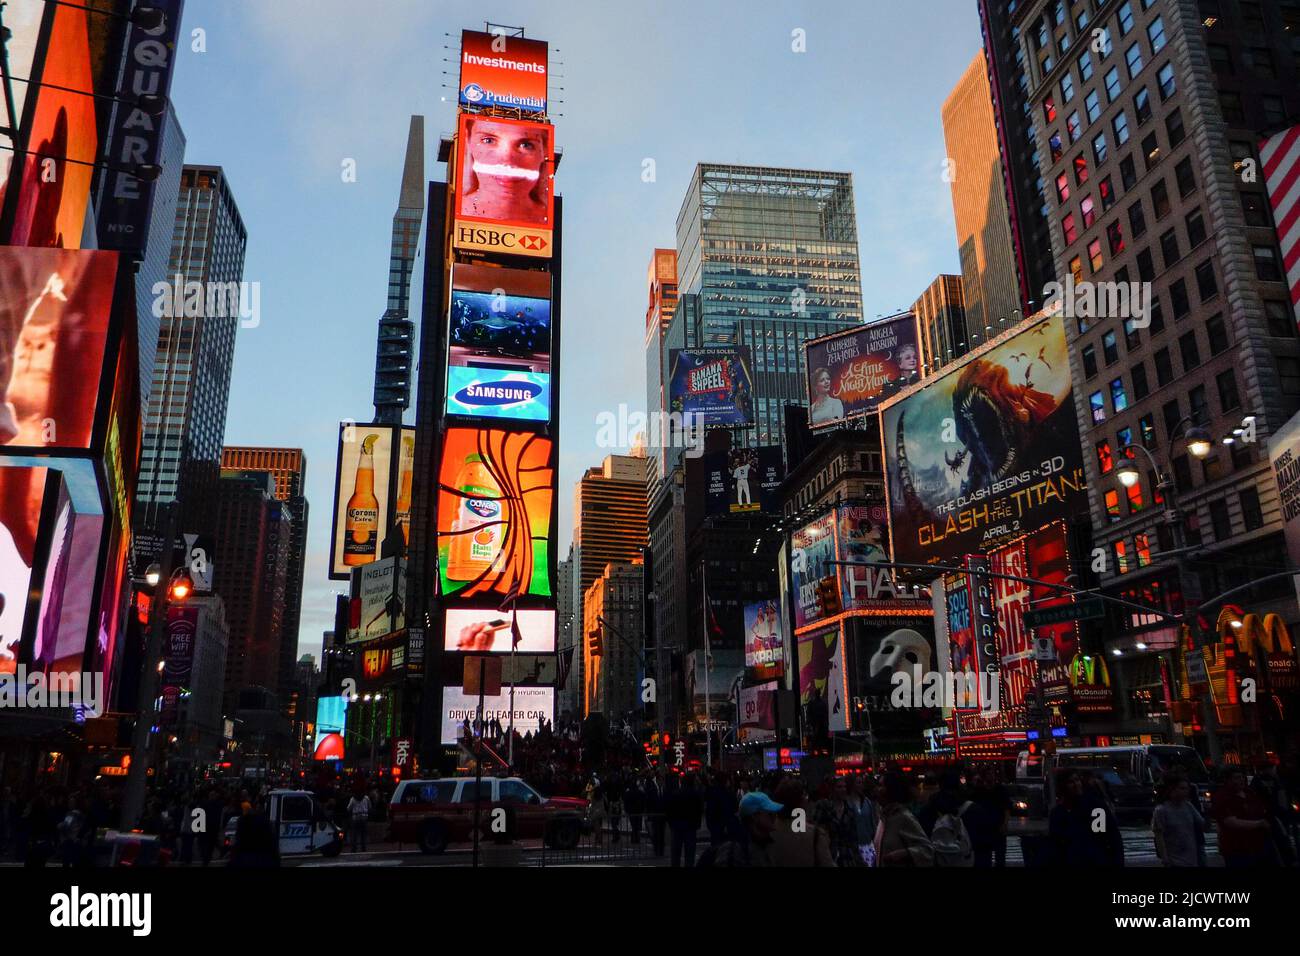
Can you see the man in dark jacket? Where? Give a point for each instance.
(654, 807)
(752, 845)
(685, 809)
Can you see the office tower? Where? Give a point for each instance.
(154, 277)
(979, 205)
(772, 255)
(253, 536)
(941, 318)
(614, 641)
(1025, 188)
(288, 466)
(661, 285)
(1156, 130)
(609, 526)
(185, 419)
(394, 357)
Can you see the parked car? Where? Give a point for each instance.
(434, 813)
(300, 824)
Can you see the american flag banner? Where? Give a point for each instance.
(1281, 157)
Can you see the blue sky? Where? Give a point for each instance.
(287, 90)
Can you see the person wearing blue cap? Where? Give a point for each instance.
(753, 846)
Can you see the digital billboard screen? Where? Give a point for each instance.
(505, 195)
(812, 573)
(488, 630)
(24, 23)
(362, 513)
(744, 480)
(499, 335)
(502, 71)
(757, 722)
(331, 726)
(496, 494)
(22, 502)
(764, 648)
(532, 705)
(378, 599)
(822, 675)
(848, 371)
(986, 451)
(63, 140)
(712, 385)
(55, 306)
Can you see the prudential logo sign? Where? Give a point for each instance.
(493, 393)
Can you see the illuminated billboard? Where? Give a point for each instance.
(378, 599)
(331, 725)
(848, 371)
(713, 385)
(24, 23)
(812, 573)
(178, 659)
(822, 675)
(487, 630)
(23, 492)
(460, 711)
(496, 495)
(62, 139)
(372, 495)
(505, 195)
(972, 636)
(986, 451)
(757, 719)
(499, 351)
(55, 306)
(764, 649)
(502, 71)
(743, 480)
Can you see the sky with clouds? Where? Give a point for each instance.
(286, 91)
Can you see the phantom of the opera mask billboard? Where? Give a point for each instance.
(985, 452)
(496, 495)
(505, 193)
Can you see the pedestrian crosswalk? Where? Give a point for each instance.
(1139, 849)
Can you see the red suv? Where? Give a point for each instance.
(434, 813)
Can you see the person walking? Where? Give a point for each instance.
(634, 803)
(720, 805)
(753, 843)
(1244, 829)
(798, 840)
(900, 839)
(359, 816)
(655, 807)
(862, 797)
(685, 810)
(1176, 825)
(1277, 799)
(839, 819)
(989, 831)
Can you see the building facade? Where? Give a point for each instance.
(1143, 137)
(288, 467)
(185, 418)
(772, 255)
(614, 641)
(941, 322)
(989, 279)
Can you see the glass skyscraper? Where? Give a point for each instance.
(185, 419)
(771, 257)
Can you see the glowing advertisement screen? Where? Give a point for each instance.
(505, 196)
(363, 512)
(331, 725)
(986, 451)
(502, 71)
(848, 371)
(22, 500)
(532, 705)
(55, 306)
(496, 493)
(488, 631)
(713, 385)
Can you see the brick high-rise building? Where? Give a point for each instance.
(1146, 118)
(989, 278)
(614, 641)
(288, 466)
(254, 533)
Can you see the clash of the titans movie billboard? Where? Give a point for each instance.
(985, 452)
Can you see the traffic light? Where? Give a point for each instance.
(595, 643)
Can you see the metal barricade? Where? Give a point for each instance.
(640, 840)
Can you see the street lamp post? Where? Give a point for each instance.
(1199, 445)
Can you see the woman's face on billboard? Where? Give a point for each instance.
(506, 160)
(823, 383)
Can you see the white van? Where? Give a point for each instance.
(299, 821)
